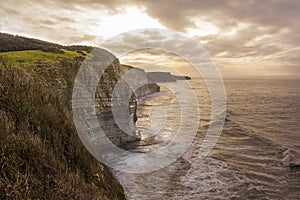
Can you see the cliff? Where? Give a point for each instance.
(141, 75)
(42, 156)
(104, 102)
(165, 77)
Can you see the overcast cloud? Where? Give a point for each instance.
(244, 33)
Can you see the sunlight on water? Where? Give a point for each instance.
(255, 158)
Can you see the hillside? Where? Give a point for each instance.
(10, 42)
(42, 156)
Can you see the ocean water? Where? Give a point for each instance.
(256, 157)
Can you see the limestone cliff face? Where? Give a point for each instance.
(147, 89)
(140, 76)
(104, 105)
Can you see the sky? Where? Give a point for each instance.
(243, 37)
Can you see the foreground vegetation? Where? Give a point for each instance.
(41, 155)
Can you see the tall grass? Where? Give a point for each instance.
(41, 156)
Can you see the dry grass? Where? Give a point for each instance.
(41, 155)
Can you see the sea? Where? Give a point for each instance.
(257, 155)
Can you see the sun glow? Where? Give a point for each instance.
(131, 18)
(203, 29)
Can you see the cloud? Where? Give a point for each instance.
(249, 31)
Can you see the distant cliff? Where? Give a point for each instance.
(165, 77)
(146, 89)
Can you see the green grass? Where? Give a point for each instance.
(31, 57)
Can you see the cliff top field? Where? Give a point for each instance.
(42, 156)
(34, 57)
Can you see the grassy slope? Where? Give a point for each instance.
(31, 57)
(41, 154)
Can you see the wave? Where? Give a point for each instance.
(291, 158)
